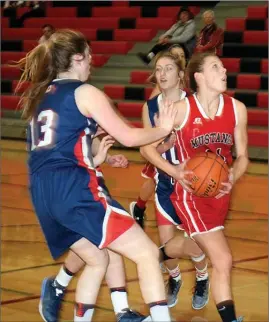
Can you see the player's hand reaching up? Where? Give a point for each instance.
(105, 144)
(226, 186)
(167, 115)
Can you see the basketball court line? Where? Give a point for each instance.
(32, 267)
(19, 225)
(250, 270)
(247, 239)
(23, 241)
(15, 291)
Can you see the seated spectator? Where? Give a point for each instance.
(47, 30)
(12, 4)
(211, 36)
(36, 10)
(21, 3)
(182, 33)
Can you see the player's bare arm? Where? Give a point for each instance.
(241, 141)
(92, 101)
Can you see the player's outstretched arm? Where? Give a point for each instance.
(93, 103)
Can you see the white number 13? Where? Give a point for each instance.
(46, 129)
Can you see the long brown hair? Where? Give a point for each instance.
(42, 64)
(195, 65)
(174, 58)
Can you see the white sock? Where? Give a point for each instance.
(160, 313)
(119, 301)
(151, 55)
(175, 273)
(63, 278)
(201, 274)
(83, 312)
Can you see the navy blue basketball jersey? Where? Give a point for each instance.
(58, 134)
(169, 155)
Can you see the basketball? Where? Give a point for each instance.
(210, 170)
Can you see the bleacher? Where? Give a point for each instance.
(117, 31)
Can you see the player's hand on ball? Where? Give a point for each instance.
(226, 186)
(182, 176)
(117, 161)
(167, 115)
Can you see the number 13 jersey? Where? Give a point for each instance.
(58, 134)
(199, 133)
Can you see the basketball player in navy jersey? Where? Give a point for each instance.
(207, 120)
(168, 75)
(64, 113)
(138, 207)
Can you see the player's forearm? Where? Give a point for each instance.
(150, 153)
(142, 136)
(240, 166)
(97, 160)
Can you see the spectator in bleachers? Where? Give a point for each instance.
(12, 4)
(183, 32)
(47, 30)
(20, 3)
(37, 11)
(211, 36)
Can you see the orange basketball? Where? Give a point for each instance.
(210, 170)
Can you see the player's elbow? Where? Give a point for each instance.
(128, 140)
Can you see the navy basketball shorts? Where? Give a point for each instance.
(70, 204)
(165, 211)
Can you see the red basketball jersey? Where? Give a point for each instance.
(199, 133)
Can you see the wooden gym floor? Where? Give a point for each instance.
(25, 259)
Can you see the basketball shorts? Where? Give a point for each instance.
(71, 204)
(148, 171)
(199, 215)
(165, 211)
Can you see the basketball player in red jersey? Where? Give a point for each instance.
(208, 120)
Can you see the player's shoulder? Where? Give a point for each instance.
(239, 105)
(234, 100)
(86, 88)
(88, 93)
